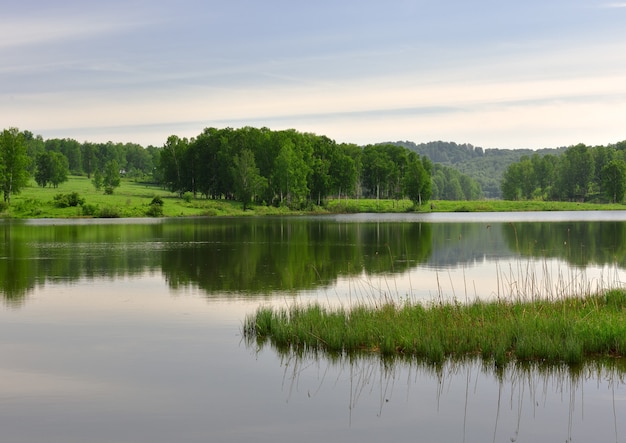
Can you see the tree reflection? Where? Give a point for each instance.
(270, 255)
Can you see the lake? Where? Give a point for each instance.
(130, 330)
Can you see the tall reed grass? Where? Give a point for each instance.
(531, 318)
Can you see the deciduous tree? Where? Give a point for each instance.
(14, 163)
(247, 179)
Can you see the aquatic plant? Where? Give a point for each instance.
(564, 329)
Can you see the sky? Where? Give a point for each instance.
(496, 74)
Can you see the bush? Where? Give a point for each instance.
(109, 190)
(157, 201)
(109, 212)
(68, 200)
(154, 210)
(89, 209)
(3, 206)
(188, 196)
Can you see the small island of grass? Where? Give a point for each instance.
(552, 331)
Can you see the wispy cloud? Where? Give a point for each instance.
(615, 5)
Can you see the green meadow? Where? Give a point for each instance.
(133, 199)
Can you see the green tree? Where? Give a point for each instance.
(377, 169)
(512, 182)
(575, 173)
(290, 174)
(52, 168)
(172, 164)
(248, 181)
(417, 181)
(14, 163)
(88, 155)
(614, 180)
(111, 176)
(343, 174)
(97, 180)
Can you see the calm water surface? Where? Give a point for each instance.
(129, 330)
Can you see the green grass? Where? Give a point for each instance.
(133, 199)
(372, 205)
(552, 331)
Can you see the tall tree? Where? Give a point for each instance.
(111, 177)
(614, 180)
(417, 181)
(172, 164)
(52, 168)
(576, 170)
(14, 163)
(248, 180)
(377, 169)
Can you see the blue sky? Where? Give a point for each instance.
(497, 74)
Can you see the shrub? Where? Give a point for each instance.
(89, 209)
(157, 201)
(109, 212)
(109, 190)
(188, 196)
(68, 200)
(154, 210)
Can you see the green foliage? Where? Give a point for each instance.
(582, 173)
(98, 180)
(613, 180)
(156, 201)
(52, 168)
(554, 331)
(68, 200)
(109, 212)
(248, 180)
(88, 209)
(484, 166)
(417, 181)
(14, 163)
(187, 197)
(111, 178)
(450, 184)
(155, 210)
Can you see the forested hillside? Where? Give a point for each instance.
(486, 166)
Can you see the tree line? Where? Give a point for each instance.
(289, 168)
(580, 173)
(248, 164)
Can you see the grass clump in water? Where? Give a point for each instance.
(566, 330)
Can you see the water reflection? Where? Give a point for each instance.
(469, 400)
(291, 255)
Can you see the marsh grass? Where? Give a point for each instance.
(531, 318)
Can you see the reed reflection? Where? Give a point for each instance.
(467, 399)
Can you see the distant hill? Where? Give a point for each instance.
(484, 165)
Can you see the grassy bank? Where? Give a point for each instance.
(133, 199)
(372, 205)
(567, 330)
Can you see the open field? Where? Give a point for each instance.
(133, 199)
